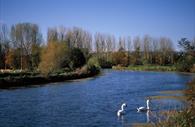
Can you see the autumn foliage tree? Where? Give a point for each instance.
(9, 58)
(120, 58)
(52, 57)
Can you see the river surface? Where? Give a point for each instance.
(89, 102)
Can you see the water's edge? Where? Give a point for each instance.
(41, 80)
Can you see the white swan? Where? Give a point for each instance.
(142, 109)
(121, 111)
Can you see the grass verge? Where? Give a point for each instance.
(146, 68)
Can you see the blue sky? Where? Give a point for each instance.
(171, 18)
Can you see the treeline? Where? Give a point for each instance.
(22, 47)
(145, 51)
(137, 51)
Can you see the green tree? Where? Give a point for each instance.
(77, 58)
(187, 55)
(35, 56)
(93, 65)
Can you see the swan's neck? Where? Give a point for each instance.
(147, 104)
(122, 107)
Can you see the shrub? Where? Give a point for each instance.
(105, 63)
(185, 63)
(93, 65)
(77, 58)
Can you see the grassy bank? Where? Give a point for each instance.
(185, 118)
(176, 118)
(146, 68)
(18, 79)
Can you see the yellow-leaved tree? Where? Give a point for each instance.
(52, 57)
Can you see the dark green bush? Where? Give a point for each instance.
(77, 58)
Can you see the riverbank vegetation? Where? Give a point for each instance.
(27, 79)
(146, 68)
(25, 57)
(184, 117)
(65, 50)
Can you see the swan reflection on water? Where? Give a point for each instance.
(148, 116)
(123, 120)
(146, 109)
